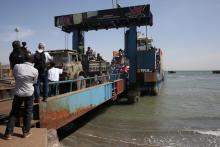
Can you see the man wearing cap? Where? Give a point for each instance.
(41, 58)
(24, 48)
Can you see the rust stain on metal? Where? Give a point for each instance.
(58, 119)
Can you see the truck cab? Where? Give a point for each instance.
(69, 61)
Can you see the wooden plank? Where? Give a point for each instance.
(5, 107)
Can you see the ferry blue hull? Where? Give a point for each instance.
(64, 108)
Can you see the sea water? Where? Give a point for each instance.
(185, 113)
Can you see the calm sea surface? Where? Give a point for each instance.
(185, 113)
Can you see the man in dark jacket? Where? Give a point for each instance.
(17, 55)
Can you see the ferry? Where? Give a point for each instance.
(150, 72)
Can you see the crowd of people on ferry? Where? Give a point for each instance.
(119, 63)
(29, 71)
(42, 61)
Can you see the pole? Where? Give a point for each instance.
(146, 31)
(16, 30)
(0, 71)
(67, 35)
(65, 40)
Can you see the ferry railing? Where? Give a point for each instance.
(60, 87)
(71, 85)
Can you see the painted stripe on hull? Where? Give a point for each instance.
(65, 108)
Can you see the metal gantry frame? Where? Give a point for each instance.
(126, 17)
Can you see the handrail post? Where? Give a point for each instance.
(71, 86)
(57, 89)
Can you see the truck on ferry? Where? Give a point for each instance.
(72, 63)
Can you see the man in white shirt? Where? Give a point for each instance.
(54, 73)
(53, 76)
(25, 76)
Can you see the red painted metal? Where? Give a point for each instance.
(119, 86)
(150, 77)
(60, 118)
(57, 119)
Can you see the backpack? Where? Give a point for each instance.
(40, 62)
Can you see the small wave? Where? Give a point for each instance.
(117, 140)
(214, 133)
(181, 76)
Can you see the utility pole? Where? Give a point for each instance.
(17, 31)
(146, 31)
(113, 4)
(66, 40)
(1, 71)
(116, 2)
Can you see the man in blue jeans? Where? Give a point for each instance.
(41, 59)
(25, 76)
(42, 78)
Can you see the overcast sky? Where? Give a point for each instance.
(187, 30)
